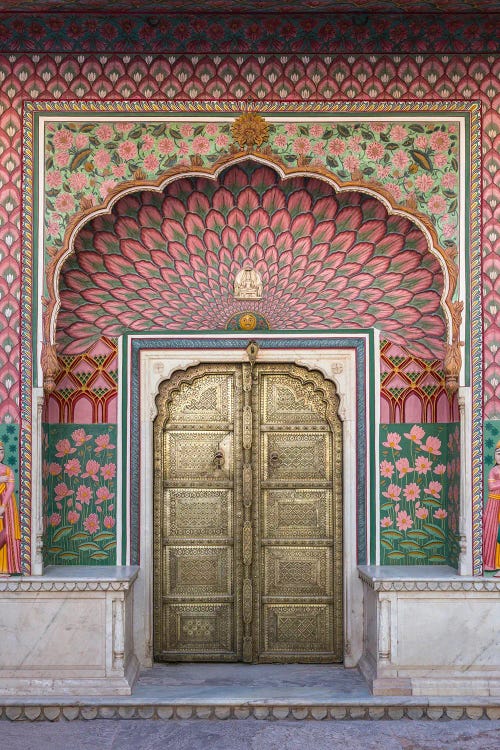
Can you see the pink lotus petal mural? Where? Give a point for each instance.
(327, 260)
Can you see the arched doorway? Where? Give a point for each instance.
(248, 515)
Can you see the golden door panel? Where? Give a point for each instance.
(193, 629)
(208, 399)
(296, 457)
(192, 456)
(198, 514)
(297, 571)
(287, 401)
(297, 631)
(194, 571)
(297, 513)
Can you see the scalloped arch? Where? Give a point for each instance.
(445, 261)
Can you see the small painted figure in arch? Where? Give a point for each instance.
(491, 518)
(10, 528)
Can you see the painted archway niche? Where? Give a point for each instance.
(167, 256)
(316, 255)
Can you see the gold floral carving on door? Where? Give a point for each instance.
(248, 515)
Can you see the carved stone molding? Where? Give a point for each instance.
(453, 583)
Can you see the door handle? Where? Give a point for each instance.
(274, 459)
(219, 459)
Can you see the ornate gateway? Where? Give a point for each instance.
(248, 515)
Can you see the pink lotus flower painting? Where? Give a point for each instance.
(418, 500)
(79, 487)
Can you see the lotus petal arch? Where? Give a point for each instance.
(327, 260)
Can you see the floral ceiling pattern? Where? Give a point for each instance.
(326, 260)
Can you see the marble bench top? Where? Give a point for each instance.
(423, 578)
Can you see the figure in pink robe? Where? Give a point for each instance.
(491, 518)
(10, 530)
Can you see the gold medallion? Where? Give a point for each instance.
(247, 322)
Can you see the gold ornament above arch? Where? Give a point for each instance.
(251, 130)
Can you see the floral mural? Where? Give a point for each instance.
(417, 163)
(419, 485)
(79, 495)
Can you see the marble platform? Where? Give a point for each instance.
(239, 691)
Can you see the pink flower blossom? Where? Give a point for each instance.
(104, 132)
(73, 516)
(440, 513)
(377, 127)
(439, 469)
(437, 204)
(385, 522)
(124, 127)
(440, 160)
(400, 159)
(393, 492)
(78, 506)
(393, 441)
(80, 436)
(383, 172)
(212, 128)
(54, 179)
(398, 133)
(103, 495)
(109, 522)
(434, 489)
(316, 131)
(200, 145)
(65, 202)
(151, 163)
(127, 150)
(91, 469)
(91, 524)
(386, 469)
(54, 519)
(63, 139)
(186, 130)
(62, 158)
(148, 142)
(449, 181)
(119, 170)
(375, 150)
(424, 182)
(291, 128)
(301, 145)
(403, 466)
(354, 144)
(439, 141)
(222, 141)
(336, 146)
(318, 148)
(416, 434)
(63, 447)
(404, 521)
(394, 189)
(280, 141)
(81, 140)
(54, 469)
(421, 513)
(62, 490)
(412, 491)
(432, 445)
(421, 141)
(72, 467)
(422, 465)
(101, 158)
(103, 444)
(351, 163)
(77, 181)
(166, 146)
(108, 471)
(84, 494)
(106, 187)
(449, 230)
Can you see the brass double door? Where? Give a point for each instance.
(248, 537)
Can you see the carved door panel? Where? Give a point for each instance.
(248, 516)
(196, 520)
(300, 612)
